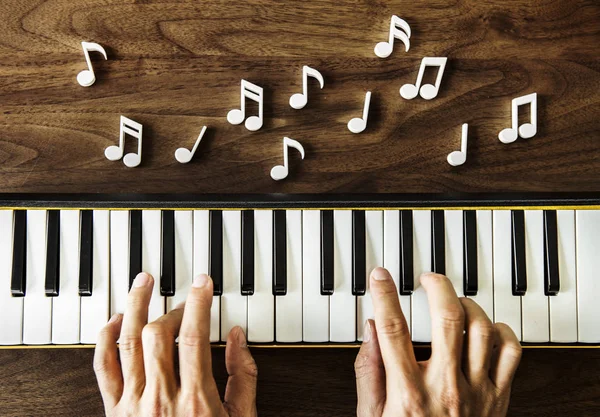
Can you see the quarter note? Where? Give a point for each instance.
(237, 116)
(280, 172)
(358, 124)
(399, 29)
(457, 158)
(428, 91)
(299, 100)
(114, 153)
(87, 77)
(184, 155)
(526, 130)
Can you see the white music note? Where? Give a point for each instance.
(358, 124)
(457, 158)
(237, 116)
(87, 77)
(184, 155)
(526, 130)
(280, 172)
(299, 100)
(428, 91)
(114, 152)
(399, 29)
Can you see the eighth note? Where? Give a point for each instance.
(254, 93)
(114, 153)
(357, 124)
(299, 100)
(526, 130)
(457, 158)
(399, 29)
(87, 77)
(280, 172)
(428, 91)
(184, 155)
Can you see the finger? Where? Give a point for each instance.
(479, 341)
(392, 331)
(130, 342)
(194, 337)
(447, 320)
(106, 363)
(507, 357)
(370, 375)
(158, 340)
(240, 393)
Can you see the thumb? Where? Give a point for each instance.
(370, 375)
(240, 393)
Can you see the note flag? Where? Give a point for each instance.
(299, 100)
(428, 91)
(280, 172)
(237, 116)
(184, 155)
(358, 124)
(399, 29)
(114, 153)
(526, 130)
(457, 158)
(87, 77)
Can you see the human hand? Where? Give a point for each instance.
(472, 362)
(144, 382)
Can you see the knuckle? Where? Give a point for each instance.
(192, 339)
(453, 317)
(100, 365)
(155, 332)
(393, 328)
(130, 345)
(414, 402)
(483, 329)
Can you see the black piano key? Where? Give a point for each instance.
(18, 282)
(135, 244)
(167, 270)
(216, 250)
(551, 274)
(247, 284)
(279, 253)
(359, 260)
(518, 263)
(407, 284)
(326, 252)
(86, 253)
(438, 244)
(470, 284)
(51, 286)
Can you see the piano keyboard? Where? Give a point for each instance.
(295, 269)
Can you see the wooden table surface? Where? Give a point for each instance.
(176, 66)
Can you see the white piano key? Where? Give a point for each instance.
(391, 256)
(261, 305)
(37, 308)
(66, 307)
(288, 308)
(374, 258)
(11, 308)
(342, 304)
(151, 254)
(315, 306)
(421, 319)
(234, 305)
(119, 260)
(453, 225)
(534, 304)
(507, 307)
(588, 285)
(95, 308)
(184, 229)
(563, 306)
(485, 265)
(201, 261)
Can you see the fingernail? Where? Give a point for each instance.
(179, 305)
(380, 274)
(114, 318)
(367, 332)
(141, 280)
(241, 338)
(200, 281)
